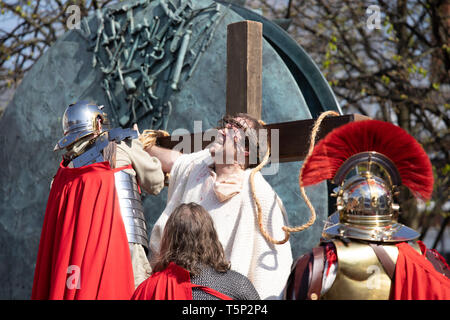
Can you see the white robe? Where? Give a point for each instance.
(265, 264)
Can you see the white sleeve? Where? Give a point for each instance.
(177, 184)
(180, 172)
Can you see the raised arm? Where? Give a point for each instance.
(167, 157)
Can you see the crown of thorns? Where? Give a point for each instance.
(232, 121)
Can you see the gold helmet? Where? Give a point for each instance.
(368, 161)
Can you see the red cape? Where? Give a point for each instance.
(83, 251)
(416, 278)
(173, 283)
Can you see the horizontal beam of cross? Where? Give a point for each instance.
(293, 136)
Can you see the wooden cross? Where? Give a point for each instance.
(244, 94)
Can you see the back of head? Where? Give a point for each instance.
(81, 122)
(190, 240)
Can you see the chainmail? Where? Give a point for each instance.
(231, 283)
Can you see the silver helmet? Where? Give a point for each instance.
(79, 121)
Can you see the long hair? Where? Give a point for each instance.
(190, 240)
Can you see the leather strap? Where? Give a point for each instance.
(317, 273)
(385, 259)
(299, 275)
(298, 279)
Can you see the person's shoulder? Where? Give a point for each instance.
(194, 157)
(237, 278)
(230, 275)
(127, 144)
(247, 290)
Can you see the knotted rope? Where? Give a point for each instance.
(288, 230)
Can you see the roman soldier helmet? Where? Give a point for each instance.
(79, 121)
(368, 161)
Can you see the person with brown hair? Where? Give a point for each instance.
(191, 263)
(220, 178)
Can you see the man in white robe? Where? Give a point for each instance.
(224, 190)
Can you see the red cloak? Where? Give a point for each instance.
(416, 278)
(83, 250)
(173, 283)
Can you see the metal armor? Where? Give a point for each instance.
(126, 185)
(368, 161)
(80, 122)
(131, 208)
(360, 274)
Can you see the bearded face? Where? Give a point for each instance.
(230, 143)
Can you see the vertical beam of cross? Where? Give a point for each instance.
(244, 94)
(244, 68)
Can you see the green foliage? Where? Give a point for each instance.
(436, 86)
(385, 79)
(446, 169)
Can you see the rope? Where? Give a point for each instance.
(312, 219)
